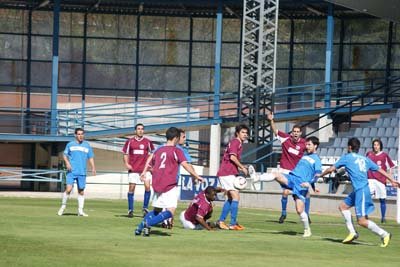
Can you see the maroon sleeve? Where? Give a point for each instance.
(125, 148)
(234, 146)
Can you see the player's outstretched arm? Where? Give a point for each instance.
(203, 222)
(392, 181)
(327, 171)
(191, 171)
(146, 168)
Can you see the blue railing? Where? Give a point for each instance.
(289, 102)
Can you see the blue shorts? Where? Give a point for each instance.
(361, 200)
(80, 180)
(294, 185)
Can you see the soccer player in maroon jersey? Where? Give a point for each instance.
(136, 152)
(376, 181)
(200, 210)
(230, 167)
(293, 147)
(165, 164)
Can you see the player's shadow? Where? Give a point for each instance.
(69, 214)
(158, 233)
(286, 221)
(286, 233)
(354, 243)
(126, 216)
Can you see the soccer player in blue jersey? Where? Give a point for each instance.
(300, 178)
(76, 154)
(357, 167)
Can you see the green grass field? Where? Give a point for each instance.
(31, 234)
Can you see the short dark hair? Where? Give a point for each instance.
(297, 126)
(139, 124)
(354, 143)
(172, 132)
(380, 143)
(240, 127)
(313, 140)
(181, 131)
(210, 189)
(78, 130)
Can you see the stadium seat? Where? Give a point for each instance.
(337, 142)
(362, 151)
(379, 122)
(344, 142)
(367, 142)
(384, 140)
(373, 131)
(388, 132)
(386, 122)
(394, 122)
(398, 113)
(338, 152)
(395, 132)
(323, 152)
(390, 143)
(330, 152)
(393, 153)
(365, 132)
(358, 132)
(381, 132)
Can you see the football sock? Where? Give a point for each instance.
(383, 207)
(304, 220)
(376, 229)
(130, 200)
(225, 210)
(159, 218)
(284, 204)
(146, 199)
(64, 200)
(267, 177)
(349, 223)
(150, 215)
(81, 202)
(234, 212)
(307, 206)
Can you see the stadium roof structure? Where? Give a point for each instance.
(294, 9)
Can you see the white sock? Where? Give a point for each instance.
(64, 200)
(349, 223)
(376, 229)
(266, 177)
(81, 202)
(304, 219)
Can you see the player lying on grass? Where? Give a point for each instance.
(299, 179)
(200, 210)
(357, 167)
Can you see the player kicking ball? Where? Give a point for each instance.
(299, 179)
(357, 167)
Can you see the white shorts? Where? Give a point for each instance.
(187, 224)
(227, 182)
(378, 190)
(166, 200)
(134, 178)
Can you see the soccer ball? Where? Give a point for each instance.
(240, 183)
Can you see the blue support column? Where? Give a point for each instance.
(54, 75)
(328, 55)
(217, 71)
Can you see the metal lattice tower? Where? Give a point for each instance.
(258, 63)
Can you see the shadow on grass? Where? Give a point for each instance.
(285, 233)
(354, 243)
(158, 233)
(70, 214)
(126, 216)
(275, 221)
